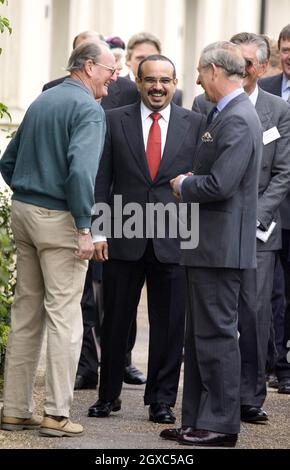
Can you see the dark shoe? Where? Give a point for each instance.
(133, 376)
(172, 434)
(253, 414)
(284, 387)
(273, 381)
(161, 413)
(82, 383)
(200, 437)
(102, 409)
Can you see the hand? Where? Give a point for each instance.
(101, 251)
(174, 183)
(86, 246)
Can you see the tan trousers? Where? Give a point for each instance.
(50, 282)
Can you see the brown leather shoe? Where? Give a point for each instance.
(10, 423)
(204, 438)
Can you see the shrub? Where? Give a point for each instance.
(7, 270)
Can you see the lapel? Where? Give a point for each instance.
(177, 128)
(211, 128)
(132, 128)
(263, 110)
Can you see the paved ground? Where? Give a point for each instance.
(130, 428)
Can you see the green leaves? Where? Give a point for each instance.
(7, 269)
(4, 112)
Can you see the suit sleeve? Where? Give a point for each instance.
(104, 177)
(235, 147)
(279, 184)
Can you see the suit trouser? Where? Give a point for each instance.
(50, 281)
(123, 282)
(211, 390)
(92, 312)
(278, 303)
(255, 314)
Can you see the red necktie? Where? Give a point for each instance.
(153, 150)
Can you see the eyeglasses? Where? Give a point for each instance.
(153, 81)
(112, 69)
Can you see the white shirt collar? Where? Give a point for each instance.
(254, 96)
(145, 112)
(132, 76)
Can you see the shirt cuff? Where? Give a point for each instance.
(99, 238)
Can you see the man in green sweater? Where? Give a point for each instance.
(51, 166)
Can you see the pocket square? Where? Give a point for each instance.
(206, 137)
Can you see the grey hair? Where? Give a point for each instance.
(226, 55)
(82, 53)
(251, 38)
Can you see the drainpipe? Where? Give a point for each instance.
(263, 13)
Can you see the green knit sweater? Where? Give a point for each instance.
(53, 160)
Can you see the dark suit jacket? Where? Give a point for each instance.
(272, 84)
(124, 171)
(120, 93)
(225, 183)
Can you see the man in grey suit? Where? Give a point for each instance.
(274, 183)
(225, 184)
(280, 85)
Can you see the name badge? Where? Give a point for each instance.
(270, 135)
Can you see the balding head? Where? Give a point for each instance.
(91, 36)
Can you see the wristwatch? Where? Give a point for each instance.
(84, 231)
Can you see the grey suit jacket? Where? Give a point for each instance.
(274, 182)
(225, 184)
(274, 179)
(273, 85)
(202, 105)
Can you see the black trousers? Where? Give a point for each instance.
(123, 282)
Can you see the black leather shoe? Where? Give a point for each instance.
(284, 387)
(82, 383)
(200, 437)
(133, 376)
(253, 414)
(161, 413)
(173, 434)
(102, 409)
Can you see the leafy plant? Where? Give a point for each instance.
(7, 269)
(7, 248)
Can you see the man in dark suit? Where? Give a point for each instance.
(225, 184)
(140, 46)
(280, 85)
(143, 178)
(120, 93)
